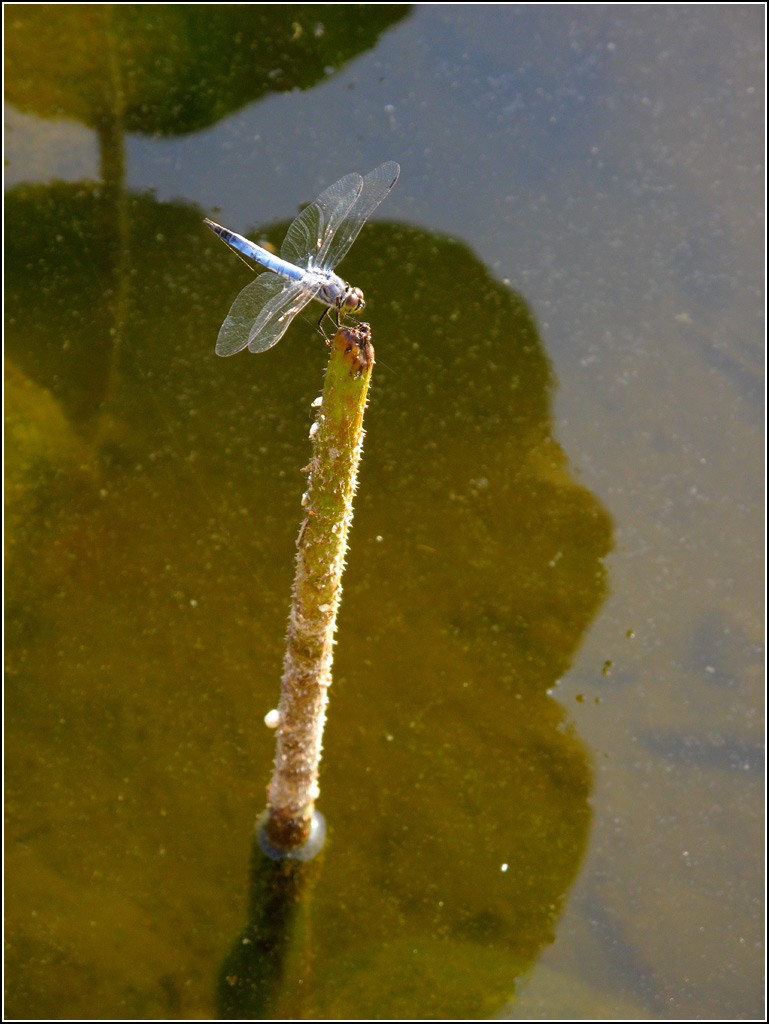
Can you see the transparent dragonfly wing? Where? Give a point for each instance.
(260, 315)
(374, 187)
(317, 224)
(272, 323)
(234, 333)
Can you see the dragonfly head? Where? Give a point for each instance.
(352, 301)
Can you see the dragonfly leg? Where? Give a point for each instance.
(340, 316)
(326, 312)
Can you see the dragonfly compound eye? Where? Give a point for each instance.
(353, 301)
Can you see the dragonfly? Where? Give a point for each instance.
(316, 242)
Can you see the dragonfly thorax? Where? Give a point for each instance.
(337, 294)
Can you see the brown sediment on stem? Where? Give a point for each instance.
(337, 437)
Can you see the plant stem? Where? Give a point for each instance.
(337, 437)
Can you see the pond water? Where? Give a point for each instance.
(543, 762)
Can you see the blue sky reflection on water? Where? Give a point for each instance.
(608, 164)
